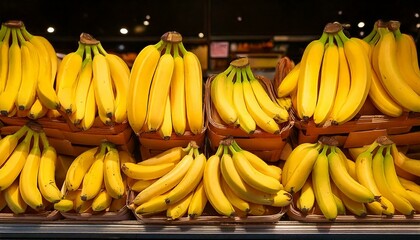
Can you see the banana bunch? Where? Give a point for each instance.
(241, 100)
(165, 93)
(92, 83)
(332, 81)
(396, 75)
(239, 183)
(27, 173)
(170, 182)
(28, 66)
(94, 181)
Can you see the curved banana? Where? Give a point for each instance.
(172, 155)
(212, 179)
(159, 90)
(64, 205)
(165, 129)
(153, 205)
(113, 179)
(409, 165)
(139, 185)
(14, 199)
(190, 180)
(90, 110)
(306, 200)
(101, 201)
(167, 181)
(307, 89)
(234, 199)
(9, 143)
(79, 167)
(46, 174)
(198, 201)
(81, 206)
(94, 177)
(178, 209)
(118, 204)
(355, 207)
(282, 199)
(177, 95)
(140, 80)
(83, 85)
(146, 172)
(219, 96)
(289, 83)
(328, 82)
(342, 179)
(11, 169)
(37, 110)
(246, 122)
(322, 186)
(409, 185)
(4, 56)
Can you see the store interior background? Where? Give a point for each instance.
(218, 31)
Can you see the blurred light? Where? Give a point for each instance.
(362, 33)
(200, 35)
(147, 17)
(121, 47)
(146, 23)
(139, 29)
(239, 19)
(123, 31)
(361, 24)
(418, 25)
(340, 12)
(50, 29)
(416, 15)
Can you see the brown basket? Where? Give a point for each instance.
(209, 216)
(6, 215)
(123, 214)
(266, 145)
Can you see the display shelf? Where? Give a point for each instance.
(281, 230)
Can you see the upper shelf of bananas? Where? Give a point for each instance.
(337, 74)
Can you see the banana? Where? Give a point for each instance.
(46, 175)
(297, 177)
(343, 79)
(14, 199)
(322, 186)
(4, 56)
(172, 155)
(239, 186)
(306, 200)
(400, 203)
(219, 96)
(11, 169)
(262, 119)
(289, 83)
(409, 165)
(178, 209)
(81, 206)
(343, 180)
(30, 65)
(83, 85)
(159, 90)
(79, 167)
(409, 185)
(391, 76)
(37, 110)
(341, 209)
(328, 82)
(94, 177)
(67, 74)
(361, 78)
(177, 95)
(256, 209)
(28, 178)
(118, 204)
(139, 185)
(165, 129)
(90, 109)
(212, 179)
(64, 205)
(285, 102)
(101, 201)
(113, 179)
(307, 89)
(282, 199)
(9, 143)
(355, 207)
(190, 180)
(153, 205)
(139, 84)
(146, 172)
(167, 181)
(14, 77)
(193, 91)
(246, 122)
(252, 176)
(198, 201)
(234, 199)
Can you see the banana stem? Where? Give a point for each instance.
(176, 50)
(196, 152)
(325, 149)
(14, 36)
(101, 49)
(219, 150)
(330, 40)
(22, 40)
(168, 48)
(81, 49)
(6, 35)
(238, 78)
(338, 40)
(19, 133)
(397, 33)
(226, 149)
(88, 51)
(160, 45)
(370, 35)
(324, 37)
(244, 74)
(232, 74)
(29, 135)
(227, 71)
(236, 146)
(3, 30)
(372, 146)
(26, 34)
(375, 39)
(343, 36)
(249, 73)
(36, 140)
(44, 140)
(182, 48)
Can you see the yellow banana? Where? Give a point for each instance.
(341, 209)
(113, 179)
(262, 119)
(101, 201)
(177, 95)
(159, 90)
(328, 82)
(94, 177)
(4, 56)
(81, 206)
(219, 96)
(246, 122)
(193, 91)
(146, 172)
(355, 207)
(400, 203)
(282, 199)
(198, 201)
(342, 179)
(64, 205)
(90, 109)
(118, 204)
(172, 155)
(9, 143)
(289, 83)
(79, 167)
(165, 129)
(285, 102)
(37, 110)
(11, 169)
(14, 199)
(14, 78)
(409, 185)
(306, 200)
(190, 180)
(322, 186)
(83, 85)
(234, 199)
(410, 165)
(307, 89)
(140, 184)
(178, 209)
(139, 84)
(212, 178)
(67, 73)
(153, 205)
(167, 181)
